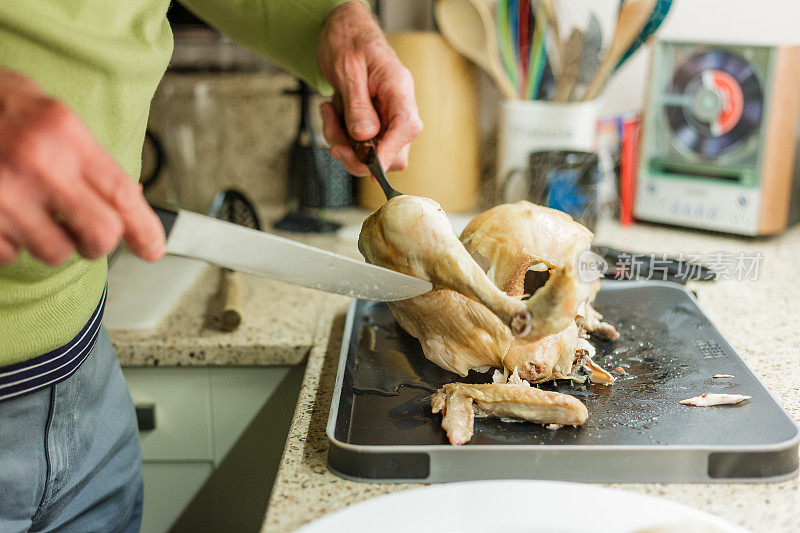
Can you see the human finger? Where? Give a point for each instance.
(9, 250)
(92, 221)
(142, 229)
(361, 119)
(36, 230)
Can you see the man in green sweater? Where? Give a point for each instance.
(76, 80)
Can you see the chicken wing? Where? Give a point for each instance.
(460, 403)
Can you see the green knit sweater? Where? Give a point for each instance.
(104, 58)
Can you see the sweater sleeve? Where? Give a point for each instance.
(284, 31)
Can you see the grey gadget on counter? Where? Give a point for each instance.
(248, 250)
(381, 427)
(719, 141)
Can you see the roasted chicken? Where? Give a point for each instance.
(505, 296)
(413, 235)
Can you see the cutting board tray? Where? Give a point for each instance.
(381, 427)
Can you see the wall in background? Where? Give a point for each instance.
(405, 15)
(760, 21)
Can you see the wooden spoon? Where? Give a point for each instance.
(553, 37)
(570, 65)
(468, 26)
(590, 55)
(633, 15)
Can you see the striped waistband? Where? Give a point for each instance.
(53, 367)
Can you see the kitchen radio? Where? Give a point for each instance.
(719, 147)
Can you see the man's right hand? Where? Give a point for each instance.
(60, 191)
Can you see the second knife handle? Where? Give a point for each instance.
(362, 148)
(229, 314)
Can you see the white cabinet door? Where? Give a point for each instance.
(168, 489)
(182, 400)
(238, 394)
(218, 438)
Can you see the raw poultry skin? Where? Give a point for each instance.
(505, 296)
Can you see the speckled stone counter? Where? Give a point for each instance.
(278, 328)
(759, 318)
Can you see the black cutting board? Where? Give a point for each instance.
(668, 348)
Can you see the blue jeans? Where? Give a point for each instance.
(69, 454)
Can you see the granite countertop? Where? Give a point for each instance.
(758, 318)
(278, 328)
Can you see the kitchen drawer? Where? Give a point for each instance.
(237, 395)
(181, 398)
(168, 489)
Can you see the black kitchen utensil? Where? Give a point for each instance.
(316, 180)
(157, 159)
(233, 206)
(367, 153)
(630, 265)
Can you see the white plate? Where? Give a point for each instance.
(518, 506)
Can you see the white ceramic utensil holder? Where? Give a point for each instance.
(531, 125)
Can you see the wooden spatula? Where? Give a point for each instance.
(633, 15)
(468, 26)
(570, 65)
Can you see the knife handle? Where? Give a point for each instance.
(166, 216)
(365, 150)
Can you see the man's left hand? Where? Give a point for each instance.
(377, 90)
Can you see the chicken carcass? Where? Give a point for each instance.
(523, 246)
(516, 266)
(413, 235)
(505, 296)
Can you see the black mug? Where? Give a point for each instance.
(562, 179)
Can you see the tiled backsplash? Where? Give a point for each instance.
(223, 130)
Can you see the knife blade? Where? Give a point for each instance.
(255, 252)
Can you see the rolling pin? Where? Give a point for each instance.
(232, 206)
(229, 313)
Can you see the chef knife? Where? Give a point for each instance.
(248, 250)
